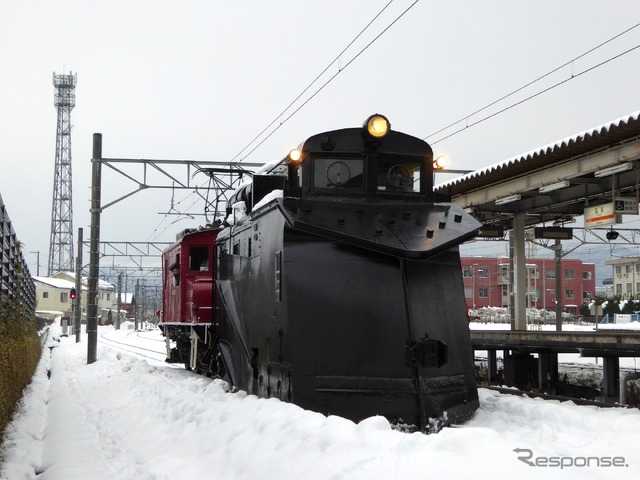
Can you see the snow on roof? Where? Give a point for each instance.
(547, 149)
(268, 197)
(49, 312)
(102, 284)
(64, 283)
(126, 297)
(273, 167)
(55, 282)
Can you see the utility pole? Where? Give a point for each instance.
(37, 252)
(119, 300)
(144, 302)
(137, 309)
(77, 313)
(156, 304)
(94, 251)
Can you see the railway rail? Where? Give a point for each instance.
(159, 354)
(546, 396)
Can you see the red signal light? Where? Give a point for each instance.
(72, 294)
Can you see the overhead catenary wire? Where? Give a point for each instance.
(312, 82)
(166, 216)
(469, 125)
(305, 90)
(173, 207)
(316, 92)
(541, 77)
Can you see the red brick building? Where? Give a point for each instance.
(487, 283)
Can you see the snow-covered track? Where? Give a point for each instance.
(157, 354)
(560, 398)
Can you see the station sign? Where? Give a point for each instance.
(554, 233)
(626, 205)
(621, 318)
(601, 215)
(491, 231)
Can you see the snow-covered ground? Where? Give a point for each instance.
(132, 416)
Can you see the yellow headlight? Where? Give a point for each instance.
(295, 155)
(377, 126)
(440, 162)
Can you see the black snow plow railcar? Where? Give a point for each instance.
(339, 283)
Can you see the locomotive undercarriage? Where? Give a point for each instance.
(196, 347)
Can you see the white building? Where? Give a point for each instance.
(626, 276)
(53, 296)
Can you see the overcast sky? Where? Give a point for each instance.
(200, 79)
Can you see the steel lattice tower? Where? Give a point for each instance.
(61, 244)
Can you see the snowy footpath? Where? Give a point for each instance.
(129, 417)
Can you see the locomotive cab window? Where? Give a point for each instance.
(396, 175)
(199, 259)
(340, 173)
(174, 268)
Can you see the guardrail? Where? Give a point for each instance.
(44, 335)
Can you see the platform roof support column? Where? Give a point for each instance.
(559, 293)
(547, 369)
(610, 376)
(492, 367)
(519, 319)
(554, 377)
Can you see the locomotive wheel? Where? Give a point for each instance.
(180, 354)
(209, 362)
(202, 367)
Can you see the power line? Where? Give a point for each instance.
(337, 58)
(312, 82)
(535, 94)
(185, 215)
(340, 70)
(436, 132)
(529, 84)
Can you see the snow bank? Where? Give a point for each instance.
(124, 417)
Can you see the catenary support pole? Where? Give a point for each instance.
(117, 322)
(137, 307)
(94, 253)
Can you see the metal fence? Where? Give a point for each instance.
(15, 279)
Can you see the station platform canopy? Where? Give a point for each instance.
(558, 182)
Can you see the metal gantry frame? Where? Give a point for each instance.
(223, 178)
(144, 256)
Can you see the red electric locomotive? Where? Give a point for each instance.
(189, 296)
